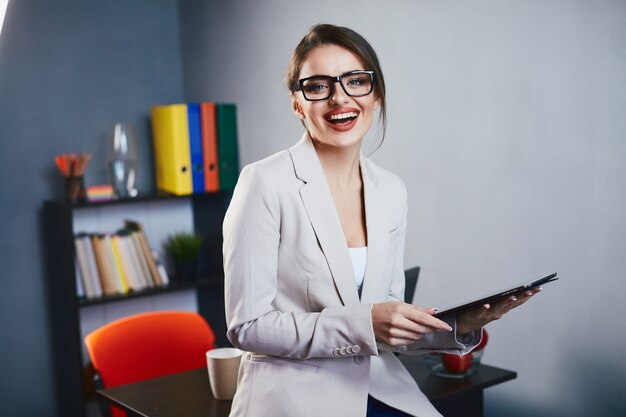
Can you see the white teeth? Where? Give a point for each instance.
(343, 115)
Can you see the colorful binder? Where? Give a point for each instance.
(226, 117)
(195, 148)
(209, 147)
(172, 159)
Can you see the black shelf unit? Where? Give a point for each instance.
(64, 306)
(177, 286)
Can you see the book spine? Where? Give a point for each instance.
(143, 265)
(104, 265)
(94, 274)
(145, 250)
(110, 256)
(161, 268)
(81, 260)
(119, 264)
(133, 279)
(140, 281)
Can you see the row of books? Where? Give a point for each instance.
(195, 147)
(116, 263)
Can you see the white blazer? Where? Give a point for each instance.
(291, 300)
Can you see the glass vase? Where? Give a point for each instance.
(122, 160)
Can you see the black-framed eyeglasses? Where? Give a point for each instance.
(320, 87)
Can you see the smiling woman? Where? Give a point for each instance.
(313, 256)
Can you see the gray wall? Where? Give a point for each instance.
(68, 71)
(506, 121)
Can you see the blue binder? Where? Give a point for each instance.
(195, 147)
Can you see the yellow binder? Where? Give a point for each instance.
(170, 132)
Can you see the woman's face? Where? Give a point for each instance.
(339, 121)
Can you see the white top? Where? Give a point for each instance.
(359, 257)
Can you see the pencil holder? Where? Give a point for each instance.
(75, 189)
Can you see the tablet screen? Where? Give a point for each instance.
(495, 297)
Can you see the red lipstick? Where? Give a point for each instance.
(342, 119)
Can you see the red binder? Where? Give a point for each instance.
(209, 147)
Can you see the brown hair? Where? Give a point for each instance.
(325, 34)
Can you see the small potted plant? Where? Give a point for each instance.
(183, 248)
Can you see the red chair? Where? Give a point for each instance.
(148, 345)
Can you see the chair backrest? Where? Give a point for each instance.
(149, 345)
(410, 276)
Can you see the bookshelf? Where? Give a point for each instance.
(59, 222)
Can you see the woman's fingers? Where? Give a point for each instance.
(475, 319)
(405, 334)
(513, 301)
(398, 323)
(425, 318)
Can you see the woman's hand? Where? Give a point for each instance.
(475, 319)
(397, 323)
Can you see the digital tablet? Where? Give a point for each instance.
(499, 296)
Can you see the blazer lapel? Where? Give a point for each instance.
(377, 235)
(320, 207)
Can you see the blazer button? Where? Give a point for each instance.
(349, 349)
(358, 359)
(356, 349)
(342, 351)
(336, 351)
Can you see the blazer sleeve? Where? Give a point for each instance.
(251, 240)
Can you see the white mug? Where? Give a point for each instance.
(223, 367)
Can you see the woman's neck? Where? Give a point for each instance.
(340, 165)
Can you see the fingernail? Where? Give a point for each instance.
(513, 298)
(528, 293)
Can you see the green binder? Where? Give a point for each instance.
(226, 118)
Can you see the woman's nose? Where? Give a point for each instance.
(338, 95)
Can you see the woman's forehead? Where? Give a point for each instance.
(330, 60)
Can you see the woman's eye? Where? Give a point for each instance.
(316, 87)
(357, 82)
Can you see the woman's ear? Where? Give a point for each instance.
(297, 108)
(377, 104)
